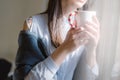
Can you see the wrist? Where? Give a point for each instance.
(65, 48)
(59, 55)
(91, 50)
(91, 58)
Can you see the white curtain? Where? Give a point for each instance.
(108, 53)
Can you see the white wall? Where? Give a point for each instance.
(12, 16)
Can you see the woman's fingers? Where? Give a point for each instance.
(73, 31)
(91, 36)
(81, 38)
(90, 29)
(82, 34)
(96, 20)
(94, 25)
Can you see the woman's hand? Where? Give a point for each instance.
(74, 39)
(70, 44)
(92, 29)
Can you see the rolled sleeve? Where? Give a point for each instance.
(94, 70)
(51, 65)
(45, 70)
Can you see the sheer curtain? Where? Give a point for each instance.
(108, 53)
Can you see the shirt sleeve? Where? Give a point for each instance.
(83, 70)
(44, 70)
(94, 70)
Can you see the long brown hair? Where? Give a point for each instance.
(54, 12)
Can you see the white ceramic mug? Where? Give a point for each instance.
(85, 16)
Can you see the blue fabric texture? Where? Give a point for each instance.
(30, 52)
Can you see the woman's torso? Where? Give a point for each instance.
(40, 28)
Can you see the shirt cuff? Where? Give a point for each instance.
(95, 69)
(49, 62)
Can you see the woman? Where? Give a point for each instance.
(49, 49)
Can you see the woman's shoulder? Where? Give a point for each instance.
(36, 23)
(41, 17)
(35, 19)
